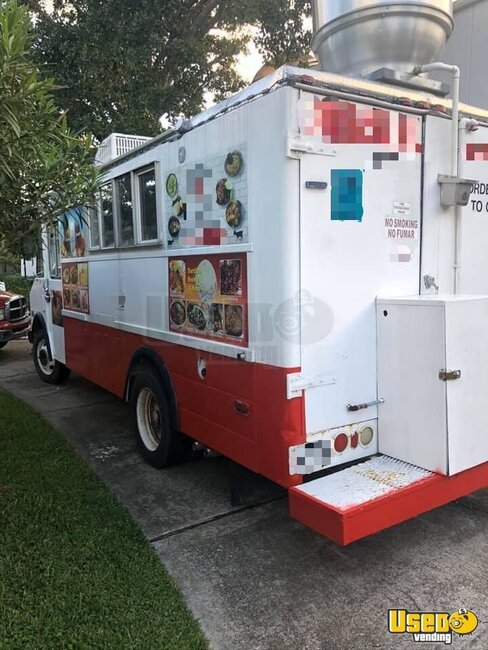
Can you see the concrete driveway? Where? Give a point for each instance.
(253, 577)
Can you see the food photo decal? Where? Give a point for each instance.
(205, 202)
(208, 297)
(75, 287)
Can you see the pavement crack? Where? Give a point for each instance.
(70, 408)
(412, 599)
(210, 520)
(17, 374)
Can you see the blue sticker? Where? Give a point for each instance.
(347, 195)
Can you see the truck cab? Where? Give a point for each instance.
(46, 333)
(14, 317)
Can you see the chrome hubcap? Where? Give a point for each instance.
(45, 363)
(149, 421)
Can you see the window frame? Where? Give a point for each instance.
(93, 214)
(139, 242)
(100, 216)
(137, 173)
(117, 211)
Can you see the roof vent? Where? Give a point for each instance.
(358, 37)
(117, 144)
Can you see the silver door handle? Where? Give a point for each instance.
(47, 293)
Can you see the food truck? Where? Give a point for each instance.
(297, 278)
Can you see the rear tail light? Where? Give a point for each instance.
(341, 442)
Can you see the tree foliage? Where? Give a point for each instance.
(44, 167)
(123, 63)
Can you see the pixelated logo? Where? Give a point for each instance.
(303, 315)
(310, 458)
(432, 627)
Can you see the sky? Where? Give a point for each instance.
(248, 64)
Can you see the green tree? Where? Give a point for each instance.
(123, 63)
(44, 167)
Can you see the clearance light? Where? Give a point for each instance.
(354, 440)
(341, 441)
(366, 436)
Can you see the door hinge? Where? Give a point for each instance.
(449, 375)
(296, 383)
(297, 145)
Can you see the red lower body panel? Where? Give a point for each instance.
(256, 433)
(344, 525)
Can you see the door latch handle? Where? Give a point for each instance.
(449, 375)
(359, 407)
(47, 293)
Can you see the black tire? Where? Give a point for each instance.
(50, 371)
(3, 344)
(158, 441)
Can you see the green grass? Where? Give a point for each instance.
(75, 570)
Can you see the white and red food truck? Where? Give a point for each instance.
(296, 278)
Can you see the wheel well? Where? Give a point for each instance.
(148, 359)
(38, 324)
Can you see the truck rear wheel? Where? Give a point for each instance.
(159, 443)
(48, 369)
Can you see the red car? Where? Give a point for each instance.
(14, 317)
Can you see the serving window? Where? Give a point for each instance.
(127, 211)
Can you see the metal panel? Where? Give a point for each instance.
(473, 261)
(411, 350)
(271, 210)
(467, 49)
(467, 350)
(438, 223)
(435, 424)
(344, 265)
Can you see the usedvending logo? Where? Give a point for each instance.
(430, 627)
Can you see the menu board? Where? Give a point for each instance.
(208, 297)
(75, 288)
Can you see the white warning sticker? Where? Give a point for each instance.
(401, 228)
(401, 209)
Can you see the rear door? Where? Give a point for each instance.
(359, 238)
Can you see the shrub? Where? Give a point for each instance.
(17, 284)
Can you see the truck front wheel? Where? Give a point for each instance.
(48, 369)
(160, 445)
